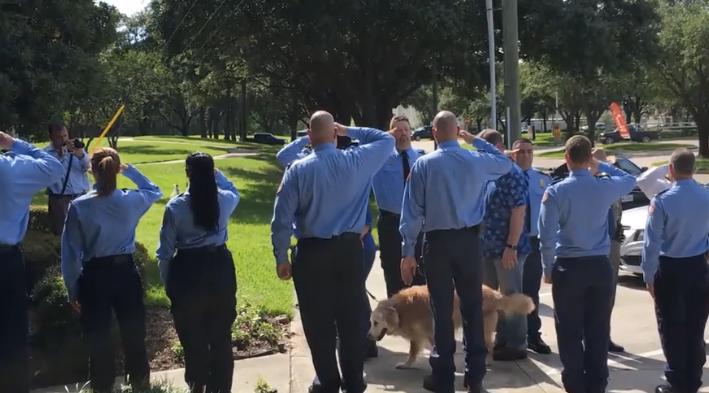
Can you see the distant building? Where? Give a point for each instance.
(410, 113)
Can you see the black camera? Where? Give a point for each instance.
(78, 144)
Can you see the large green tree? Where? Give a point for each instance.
(48, 58)
(683, 63)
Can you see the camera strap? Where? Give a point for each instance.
(66, 177)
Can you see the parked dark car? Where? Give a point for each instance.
(635, 198)
(425, 132)
(637, 134)
(267, 139)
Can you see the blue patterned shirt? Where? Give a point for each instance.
(503, 195)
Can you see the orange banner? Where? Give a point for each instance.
(619, 120)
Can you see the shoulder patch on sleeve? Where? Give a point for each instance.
(280, 186)
(409, 176)
(651, 209)
(546, 195)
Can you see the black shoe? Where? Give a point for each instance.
(538, 345)
(314, 388)
(615, 348)
(431, 384)
(664, 389)
(371, 351)
(508, 354)
(474, 389)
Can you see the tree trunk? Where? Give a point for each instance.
(202, 122)
(703, 133)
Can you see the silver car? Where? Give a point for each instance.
(631, 250)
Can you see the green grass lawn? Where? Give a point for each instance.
(257, 179)
(630, 147)
(702, 165)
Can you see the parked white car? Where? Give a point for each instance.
(631, 250)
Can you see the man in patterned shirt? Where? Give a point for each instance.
(506, 245)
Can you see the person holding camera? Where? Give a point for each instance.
(74, 182)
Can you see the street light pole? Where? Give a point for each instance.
(435, 95)
(511, 56)
(491, 59)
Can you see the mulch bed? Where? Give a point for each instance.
(65, 367)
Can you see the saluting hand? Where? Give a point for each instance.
(123, 167)
(284, 271)
(408, 270)
(340, 129)
(593, 166)
(467, 137)
(6, 141)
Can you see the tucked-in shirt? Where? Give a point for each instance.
(368, 240)
(446, 189)
(677, 225)
(538, 183)
(389, 182)
(104, 226)
(327, 192)
(503, 195)
(573, 221)
(179, 230)
(24, 172)
(78, 182)
(654, 180)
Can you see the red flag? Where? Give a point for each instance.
(619, 120)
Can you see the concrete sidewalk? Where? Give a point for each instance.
(381, 375)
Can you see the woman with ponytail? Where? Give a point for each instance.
(100, 275)
(198, 272)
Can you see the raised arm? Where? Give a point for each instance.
(284, 216)
(654, 180)
(374, 149)
(654, 228)
(412, 209)
(71, 252)
(84, 163)
(548, 230)
(620, 181)
(292, 151)
(166, 244)
(229, 189)
(491, 162)
(147, 192)
(40, 169)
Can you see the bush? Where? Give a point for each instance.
(155, 387)
(39, 219)
(253, 324)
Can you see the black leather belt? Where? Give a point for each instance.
(202, 249)
(385, 213)
(120, 259)
(7, 248)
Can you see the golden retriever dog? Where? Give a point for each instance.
(407, 314)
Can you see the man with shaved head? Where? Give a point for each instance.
(326, 194)
(444, 197)
(675, 270)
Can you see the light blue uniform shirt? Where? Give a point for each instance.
(538, 183)
(78, 178)
(389, 182)
(24, 171)
(677, 225)
(293, 151)
(327, 192)
(179, 231)
(446, 189)
(573, 221)
(104, 226)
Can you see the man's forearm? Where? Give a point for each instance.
(516, 225)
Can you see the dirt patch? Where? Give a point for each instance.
(68, 365)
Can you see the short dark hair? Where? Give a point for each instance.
(521, 141)
(579, 149)
(55, 125)
(682, 162)
(492, 137)
(398, 118)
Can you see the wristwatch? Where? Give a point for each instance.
(512, 247)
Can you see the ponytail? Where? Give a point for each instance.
(105, 165)
(204, 194)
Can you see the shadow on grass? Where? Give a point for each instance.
(147, 150)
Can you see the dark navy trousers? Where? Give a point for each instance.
(390, 253)
(14, 358)
(532, 281)
(682, 307)
(453, 262)
(582, 290)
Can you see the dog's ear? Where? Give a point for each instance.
(391, 317)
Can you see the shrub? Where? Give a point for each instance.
(39, 219)
(41, 251)
(155, 387)
(253, 324)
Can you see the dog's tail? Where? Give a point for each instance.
(516, 303)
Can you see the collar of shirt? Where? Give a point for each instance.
(685, 182)
(580, 173)
(449, 145)
(325, 147)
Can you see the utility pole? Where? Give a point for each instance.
(510, 36)
(435, 95)
(491, 59)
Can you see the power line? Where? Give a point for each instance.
(203, 26)
(219, 27)
(181, 22)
